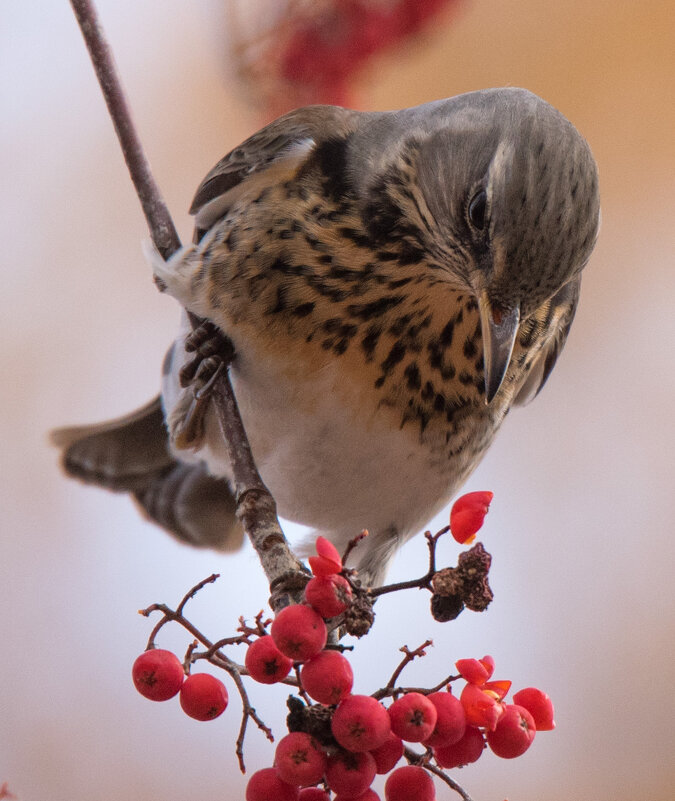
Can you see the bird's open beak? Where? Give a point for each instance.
(499, 328)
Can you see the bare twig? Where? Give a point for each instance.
(424, 582)
(390, 687)
(424, 761)
(255, 505)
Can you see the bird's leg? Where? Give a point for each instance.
(213, 351)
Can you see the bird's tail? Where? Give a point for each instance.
(131, 454)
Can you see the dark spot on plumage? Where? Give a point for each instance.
(309, 337)
(379, 382)
(447, 334)
(355, 236)
(285, 234)
(399, 325)
(330, 156)
(439, 402)
(370, 340)
(283, 265)
(303, 309)
(470, 349)
(574, 190)
(523, 200)
(480, 364)
(471, 305)
(466, 378)
(395, 355)
(374, 308)
(398, 283)
(281, 301)
(325, 258)
(343, 273)
(428, 392)
(410, 254)
(412, 374)
(386, 255)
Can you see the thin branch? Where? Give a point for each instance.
(424, 761)
(255, 505)
(422, 583)
(409, 656)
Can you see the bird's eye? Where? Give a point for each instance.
(478, 209)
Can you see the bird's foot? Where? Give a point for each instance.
(213, 351)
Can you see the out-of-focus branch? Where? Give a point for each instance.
(255, 506)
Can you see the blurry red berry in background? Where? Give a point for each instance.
(299, 759)
(409, 782)
(203, 696)
(539, 705)
(513, 734)
(328, 595)
(327, 678)
(313, 794)
(265, 785)
(388, 754)
(463, 752)
(450, 720)
(476, 671)
(360, 723)
(265, 662)
(369, 795)
(413, 717)
(158, 674)
(467, 515)
(299, 632)
(350, 774)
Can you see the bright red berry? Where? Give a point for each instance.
(265, 662)
(299, 632)
(327, 678)
(467, 515)
(203, 696)
(413, 717)
(313, 794)
(266, 785)
(360, 723)
(409, 782)
(539, 705)
(328, 561)
(350, 774)
(388, 754)
(465, 751)
(299, 759)
(513, 734)
(450, 720)
(328, 595)
(158, 674)
(476, 671)
(483, 705)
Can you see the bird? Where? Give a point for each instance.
(392, 283)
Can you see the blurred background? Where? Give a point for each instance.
(581, 527)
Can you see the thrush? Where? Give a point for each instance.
(392, 283)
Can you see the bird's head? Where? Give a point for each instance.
(511, 190)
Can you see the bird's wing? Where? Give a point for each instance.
(271, 155)
(563, 306)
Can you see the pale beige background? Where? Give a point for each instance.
(582, 524)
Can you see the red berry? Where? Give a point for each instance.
(450, 720)
(313, 794)
(467, 515)
(413, 717)
(409, 782)
(203, 696)
(476, 671)
(514, 732)
(158, 674)
(299, 632)
(360, 723)
(350, 774)
(327, 678)
(266, 785)
(539, 705)
(265, 662)
(299, 759)
(388, 754)
(369, 795)
(328, 595)
(463, 752)
(328, 561)
(482, 705)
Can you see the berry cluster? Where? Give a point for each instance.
(339, 741)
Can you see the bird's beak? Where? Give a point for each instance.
(499, 328)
